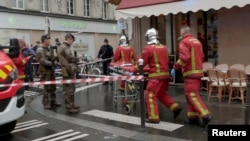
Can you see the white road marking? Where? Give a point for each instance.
(65, 136)
(38, 125)
(132, 120)
(77, 137)
(53, 135)
(21, 123)
(28, 124)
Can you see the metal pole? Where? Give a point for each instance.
(247, 104)
(142, 101)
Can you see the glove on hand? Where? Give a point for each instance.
(172, 72)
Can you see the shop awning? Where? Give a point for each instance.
(139, 8)
(125, 4)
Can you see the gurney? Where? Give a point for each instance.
(132, 87)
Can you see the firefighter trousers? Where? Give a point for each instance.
(195, 106)
(157, 90)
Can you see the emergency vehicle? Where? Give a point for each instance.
(12, 102)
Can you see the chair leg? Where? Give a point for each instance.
(242, 95)
(207, 86)
(230, 95)
(219, 93)
(209, 93)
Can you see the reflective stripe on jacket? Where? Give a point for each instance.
(156, 57)
(125, 54)
(190, 57)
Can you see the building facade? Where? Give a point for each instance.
(221, 26)
(91, 21)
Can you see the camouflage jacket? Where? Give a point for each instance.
(67, 59)
(44, 59)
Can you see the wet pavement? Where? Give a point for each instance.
(98, 112)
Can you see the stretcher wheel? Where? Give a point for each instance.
(127, 108)
(96, 71)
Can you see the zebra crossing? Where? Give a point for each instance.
(67, 135)
(28, 125)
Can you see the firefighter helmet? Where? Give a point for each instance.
(152, 36)
(123, 40)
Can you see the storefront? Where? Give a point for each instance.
(89, 34)
(222, 25)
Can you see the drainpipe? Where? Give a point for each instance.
(205, 36)
(172, 33)
(247, 104)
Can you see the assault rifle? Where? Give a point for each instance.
(52, 57)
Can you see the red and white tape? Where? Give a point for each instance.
(88, 80)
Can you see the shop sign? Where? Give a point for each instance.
(73, 24)
(81, 47)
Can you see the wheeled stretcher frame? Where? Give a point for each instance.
(132, 87)
(131, 93)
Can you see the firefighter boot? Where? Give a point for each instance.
(205, 121)
(177, 112)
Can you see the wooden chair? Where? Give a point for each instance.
(237, 66)
(247, 69)
(238, 83)
(206, 65)
(216, 80)
(222, 67)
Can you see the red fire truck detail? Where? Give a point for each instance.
(12, 102)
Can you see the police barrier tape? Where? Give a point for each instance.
(88, 80)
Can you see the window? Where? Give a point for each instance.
(70, 7)
(45, 5)
(86, 8)
(17, 4)
(105, 10)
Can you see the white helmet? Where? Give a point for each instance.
(152, 36)
(123, 40)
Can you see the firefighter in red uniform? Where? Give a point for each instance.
(190, 60)
(21, 61)
(124, 54)
(155, 55)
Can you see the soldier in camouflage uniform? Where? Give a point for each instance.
(69, 68)
(46, 72)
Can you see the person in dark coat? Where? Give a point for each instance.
(105, 52)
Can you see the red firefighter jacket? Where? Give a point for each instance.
(20, 64)
(125, 54)
(190, 57)
(156, 57)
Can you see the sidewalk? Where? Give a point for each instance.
(98, 112)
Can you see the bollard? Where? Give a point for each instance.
(142, 100)
(247, 104)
